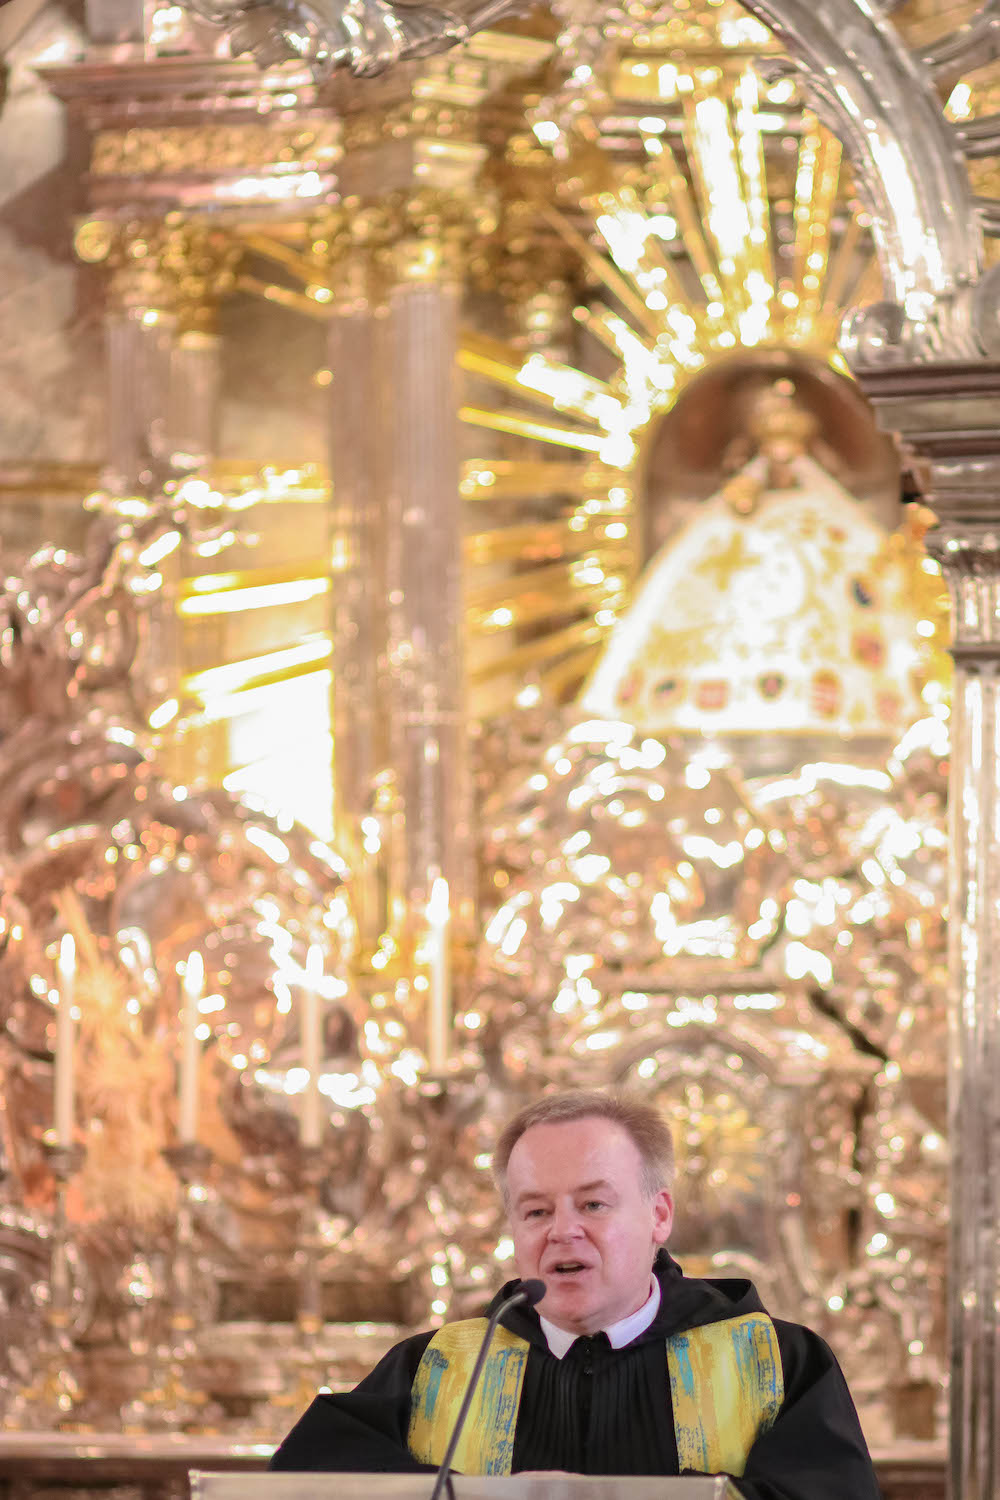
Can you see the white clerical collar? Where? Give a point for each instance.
(619, 1334)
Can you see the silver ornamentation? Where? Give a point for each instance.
(877, 98)
(972, 45)
(666, 925)
(362, 36)
(91, 835)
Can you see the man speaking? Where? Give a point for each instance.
(626, 1367)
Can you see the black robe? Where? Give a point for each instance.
(605, 1411)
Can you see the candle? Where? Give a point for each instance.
(439, 1000)
(311, 1035)
(193, 987)
(65, 1041)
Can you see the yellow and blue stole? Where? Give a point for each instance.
(487, 1442)
(726, 1388)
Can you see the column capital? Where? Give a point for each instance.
(434, 228)
(350, 237)
(413, 234)
(174, 265)
(969, 555)
(945, 417)
(133, 251)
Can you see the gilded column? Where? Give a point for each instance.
(358, 534)
(412, 155)
(948, 420)
(140, 328)
(203, 262)
(423, 664)
(166, 277)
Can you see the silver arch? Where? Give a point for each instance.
(880, 100)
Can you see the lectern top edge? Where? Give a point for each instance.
(206, 1485)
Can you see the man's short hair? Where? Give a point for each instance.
(645, 1127)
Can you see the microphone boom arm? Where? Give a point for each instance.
(528, 1292)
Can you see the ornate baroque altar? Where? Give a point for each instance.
(630, 665)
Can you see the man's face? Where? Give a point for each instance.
(582, 1222)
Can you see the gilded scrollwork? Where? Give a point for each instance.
(432, 231)
(165, 149)
(349, 238)
(440, 119)
(172, 265)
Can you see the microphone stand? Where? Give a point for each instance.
(529, 1292)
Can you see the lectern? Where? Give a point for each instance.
(281, 1486)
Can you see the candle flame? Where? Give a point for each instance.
(194, 974)
(67, 956)
(314, 964)
(438, 905)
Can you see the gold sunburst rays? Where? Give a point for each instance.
(522, 481)
(305, 266)
(668, 180)
(733, 212)
(542, 591)
(706, 205)
(551, 585)
(650, 261)
(558, 658)
(314, 296)
(646, 316)
(817, 186)
(546, 594)
(714, 201)
(541, 594)
(520, 426)
(728, 227)
(617, 279)
(704, 212)
(749, 143)
(281, 664)
(314, 302)
(541, 541)
(540, 381)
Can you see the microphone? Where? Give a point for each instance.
(528, 1293)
